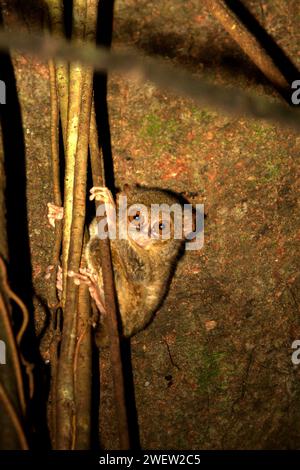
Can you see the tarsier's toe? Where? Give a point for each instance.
(88, 274)
(85, 271)
(49, 270)
(59, 280)
(79, 278)
(96, 296)
(54, 213)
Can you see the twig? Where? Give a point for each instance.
(53, 355)
(8, 406)
(230, 100)
(9, 337)
(248, 43)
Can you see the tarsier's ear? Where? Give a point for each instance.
(130, 187)
(126, 188)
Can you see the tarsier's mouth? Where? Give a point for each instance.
(140, 239)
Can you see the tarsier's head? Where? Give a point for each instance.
(154, 219)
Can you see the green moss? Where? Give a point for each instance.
(203, 115)
(272, 171)
(160, 132)
(209, 370)
(151, 126)
(260, 130)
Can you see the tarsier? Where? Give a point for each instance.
(143, 262)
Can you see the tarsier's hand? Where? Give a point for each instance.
(103, 194)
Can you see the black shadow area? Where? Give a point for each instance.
(104, 38)
(19, 267)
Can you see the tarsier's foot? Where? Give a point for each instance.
(49, 271)
(54, 213)
(91, 280)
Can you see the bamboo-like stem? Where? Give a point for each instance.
(62, 69)
(74, 213)
(52, 292)
(74, 106)
(110, 298)
(83, 373)
(66, 382)
(52, 299)
(83, 351)
(75, 85)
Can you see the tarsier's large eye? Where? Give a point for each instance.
(160, 228)
(136, 219)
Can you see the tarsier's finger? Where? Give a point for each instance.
(98, 197)
(79, 278)
(95, 294)
(89, 274)
(59, 280)
(101, 194)
(96, 190)
(86, 271)
(54, 213)
(51, 221)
